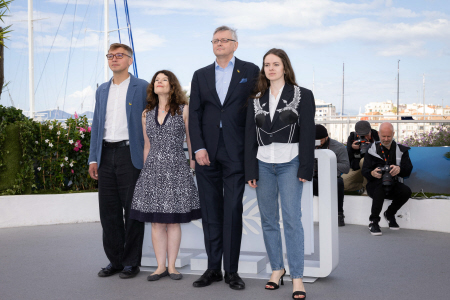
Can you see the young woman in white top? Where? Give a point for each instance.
(279, 157)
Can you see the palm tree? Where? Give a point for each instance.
(3, 32)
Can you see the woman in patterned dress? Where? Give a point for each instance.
(165, 193)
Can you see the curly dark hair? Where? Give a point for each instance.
(177, 96)
(262, 84)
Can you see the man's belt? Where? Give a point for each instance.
(116, 144)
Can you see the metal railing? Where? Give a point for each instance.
(346, 121)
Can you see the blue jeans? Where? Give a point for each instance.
(282, 178)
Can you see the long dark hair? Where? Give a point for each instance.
(262, 84)
(177, 96)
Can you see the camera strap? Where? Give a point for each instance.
(384, 155)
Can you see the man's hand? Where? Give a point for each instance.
(394, 170)
(93, 171)
(354, 146)
(202, 158)
(252, 183)
(302, 180)
(376, 173)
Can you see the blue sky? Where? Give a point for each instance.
(319, 36)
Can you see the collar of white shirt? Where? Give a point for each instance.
(232, 62)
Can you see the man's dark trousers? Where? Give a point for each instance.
(340, 190)
(399, 194)
(117, 178)
(221, 187)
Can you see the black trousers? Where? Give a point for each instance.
(340, 191)
(399, 195)
(122, 237)
(221, 187)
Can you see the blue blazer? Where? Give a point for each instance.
(135, 105)
(206, 111)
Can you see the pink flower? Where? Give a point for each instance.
(72, 171)
(76, 149)
(82, 129)
(89, 129)
(75, 115)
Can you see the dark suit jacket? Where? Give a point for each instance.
(135, 105)
(305, 132)
(206, 111)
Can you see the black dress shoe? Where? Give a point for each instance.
(129, 272)
(108, 271)
(235, 282)
(208, 277)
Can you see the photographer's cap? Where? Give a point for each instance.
(362, 128)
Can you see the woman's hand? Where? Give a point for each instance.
(302, 180)
(252, 183)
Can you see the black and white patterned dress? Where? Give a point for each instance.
(165, 191)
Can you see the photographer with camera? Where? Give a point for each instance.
(358, 143)
(343, 166)
(385, 165)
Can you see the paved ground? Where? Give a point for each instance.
(61, 262)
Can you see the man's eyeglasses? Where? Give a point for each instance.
(117, 55)
(223, 41)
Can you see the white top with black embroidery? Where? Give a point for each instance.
(276, 153)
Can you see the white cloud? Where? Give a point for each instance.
(79, 101)
(143, 39)
(43, 42)
(262, 14)
(399, 38)
(48, 21)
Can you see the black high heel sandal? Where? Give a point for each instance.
(273, 284)
(299, 293)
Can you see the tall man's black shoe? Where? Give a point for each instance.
(235, 282)
(208, 277)
(108, 271)
(129, 272)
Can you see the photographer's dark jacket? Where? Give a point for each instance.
(398, 155)
(293, 122)
(354, 161)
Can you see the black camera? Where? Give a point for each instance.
(364, 145)
(386, 178)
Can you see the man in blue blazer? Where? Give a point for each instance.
(116, 159)
(217, 113)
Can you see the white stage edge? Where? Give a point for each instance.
(36, 210)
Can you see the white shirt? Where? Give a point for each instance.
(276, 153)
(116, 124)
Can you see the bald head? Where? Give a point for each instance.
(386, 133)
(386, 125)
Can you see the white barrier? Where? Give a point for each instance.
(253, 262)
(31, 210)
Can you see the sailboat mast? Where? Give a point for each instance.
(106, 38)
(30, 58)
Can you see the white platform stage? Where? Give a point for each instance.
(253, 262)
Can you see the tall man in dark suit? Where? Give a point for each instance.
(217, 113)
(116, 159)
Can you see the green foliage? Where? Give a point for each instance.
(63, 151)
(24, 178)
(437, 137)
(11, 156)
(3, 9)
(53, 155)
